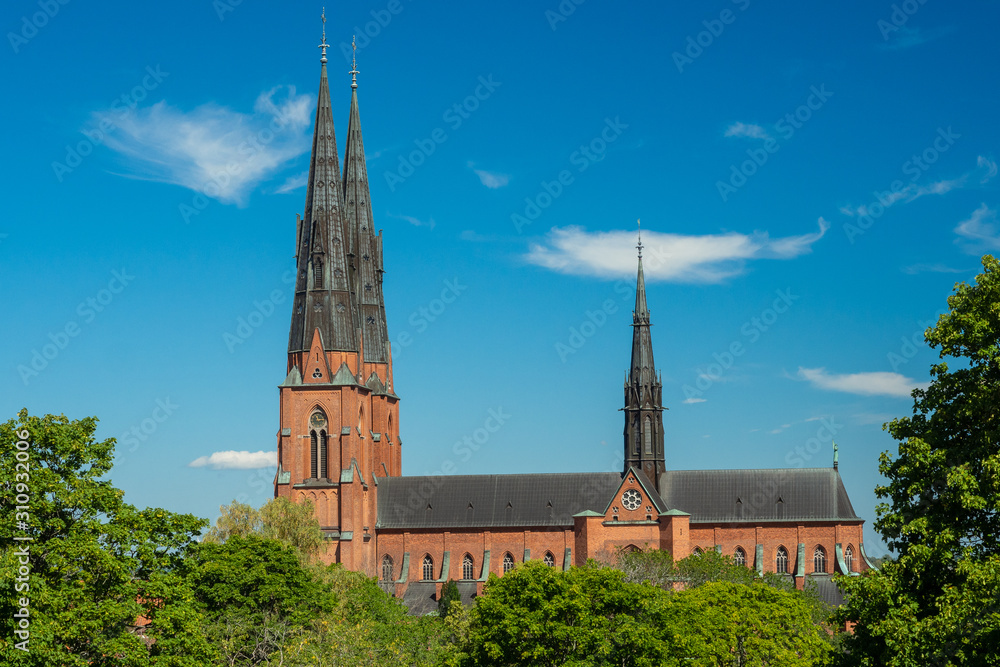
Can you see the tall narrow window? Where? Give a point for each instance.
(317, 272)
(549, 559)
(740, 557)
(468, 567)
(647, 436)
(508, 562)
(386, 568)
(428, 567)
(313, 455)
(819, 560)
(322, 454)
(849, 558)
(781, 561)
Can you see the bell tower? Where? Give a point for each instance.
(643, 393)
(339, 415)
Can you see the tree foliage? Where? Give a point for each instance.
(96, 563)
(280, 519)
(937, 603)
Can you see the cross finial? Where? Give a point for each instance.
(836, 455)
(639, 245)
(354, 62)
(324, 45)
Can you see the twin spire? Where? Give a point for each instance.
(338, 288)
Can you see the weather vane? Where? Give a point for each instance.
(324, 45)
(354, 62)
(638, 246)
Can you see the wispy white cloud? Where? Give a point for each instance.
(865, 384)
(985, 170)
(914, 269)
(668, 257)
(689, 401)
(416, 222)
(214, 150)
(293, 183)
(233, 460)
(980, 232)
(492, 179)
(907, 37)
(747, 130)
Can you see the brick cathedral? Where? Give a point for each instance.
(339, 444)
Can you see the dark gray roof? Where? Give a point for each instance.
(734, 496)
(419, 598)
(495, 500)
(827, 589)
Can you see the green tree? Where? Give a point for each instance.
(254, 594)
(937, 602)
(535, 615)
(294, 524)
(235, 520)
(725, 623)
(449, 594)
(96, 563)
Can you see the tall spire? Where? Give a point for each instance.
(354, 62)
(322, 285)
(643, 391)
(365, 249)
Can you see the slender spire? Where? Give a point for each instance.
(642, 345)
(354, 62)
(638, 246)
(365, 250)
(322, 286)
(323, 45)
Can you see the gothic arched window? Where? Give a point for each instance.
(313, 455)
(508, 562)
(849, 558)
(740, 556)
(428, 567)
(819, 560)
(468, 567)
(647, 436)
(781, 561)
(549, 559)
(386, 568)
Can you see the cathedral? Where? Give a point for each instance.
(339, 444)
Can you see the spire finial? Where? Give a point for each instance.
(836, 455)
(354, 62)
(324, 45)
(639, 245)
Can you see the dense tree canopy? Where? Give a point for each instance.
(938, 602)
(96, 563)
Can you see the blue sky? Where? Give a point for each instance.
(812, 181)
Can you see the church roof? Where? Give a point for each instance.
(482, 501)
(775, 495)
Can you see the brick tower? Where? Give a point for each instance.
(339, 415)
(643, 394)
